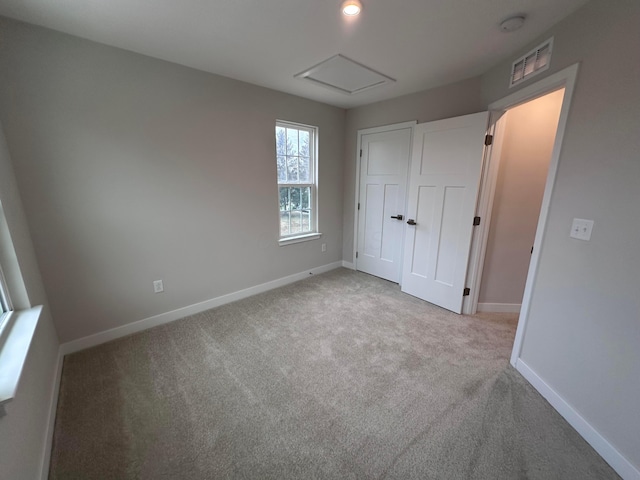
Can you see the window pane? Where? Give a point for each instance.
(304, 202)
(281, 141)
(304, 143)
(284, 198)
(282, 169)
(284, 223)
(296, 222)
(292, 141)
(295, 199)
(303, 170)
(292, 169)
(306, 221)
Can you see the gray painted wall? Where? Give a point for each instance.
(126, 165)
(23, 430)
(133, 169)
(527, 145)
(583, 332)
(449, 101)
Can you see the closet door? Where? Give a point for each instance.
(446, 167)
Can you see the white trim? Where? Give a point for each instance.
(499, 307)
(369, 131)
(53, 406)
(163, 318)
(298, 239)
(348, 265)
(15, 341)
(608, 452)
(564, 78)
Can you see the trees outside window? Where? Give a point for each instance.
(296, 166)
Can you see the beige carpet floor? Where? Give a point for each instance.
(338, 376)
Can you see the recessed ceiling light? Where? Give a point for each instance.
(512, 24)
(351, 8)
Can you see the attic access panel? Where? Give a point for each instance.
(344, 75)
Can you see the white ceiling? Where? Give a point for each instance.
(420, 43)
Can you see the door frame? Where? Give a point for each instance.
(564, 78)
(368, 131)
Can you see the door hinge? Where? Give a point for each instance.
(466, 292)
(356, 254)
(488, 140)
(476, 221)
(360, 153)
(358, 205)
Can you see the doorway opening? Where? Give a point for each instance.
(527, 140)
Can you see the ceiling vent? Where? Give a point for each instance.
(531, 64)
(344, 75)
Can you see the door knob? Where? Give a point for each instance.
(411, 221)
(397, 217)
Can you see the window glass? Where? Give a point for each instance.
(296, 165)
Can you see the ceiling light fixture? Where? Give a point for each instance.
(512, 24)
(351, 8)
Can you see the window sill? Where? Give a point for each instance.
(15, 339)
(300, 238)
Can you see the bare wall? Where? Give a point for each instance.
(133, 169)
(526, 152)
(23, 431)
(583, 330)
(443, 102)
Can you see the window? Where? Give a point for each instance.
(297, 185)
(18, 319)
(5, 301)
(6, 257)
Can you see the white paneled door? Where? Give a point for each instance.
(384, 164)
(446, 166)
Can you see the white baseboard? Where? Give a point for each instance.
(499, 307)
(161, 319)
(348, 265)
(53, 406)
(600, 444)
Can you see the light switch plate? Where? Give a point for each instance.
(158, 287)
(581, 229)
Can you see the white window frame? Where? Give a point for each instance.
(6, 306)
(313, 234)
(18, 318)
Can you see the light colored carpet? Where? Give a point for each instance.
(338, 376)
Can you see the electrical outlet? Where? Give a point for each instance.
(581, 229)
(157, 286)
(324, 247)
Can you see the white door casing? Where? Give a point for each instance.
(446, 167)
(384, 165)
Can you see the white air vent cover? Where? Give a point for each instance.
(344, 75)
(529, 65)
